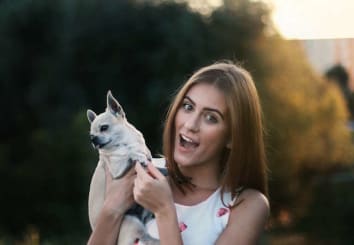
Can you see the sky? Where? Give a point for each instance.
(303, 19)
(313, 19)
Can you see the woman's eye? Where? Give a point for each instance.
(211, 118)
(187, 106)
(104, 128)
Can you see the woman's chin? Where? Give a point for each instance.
(182, 161)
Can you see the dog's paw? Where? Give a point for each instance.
(142, 159)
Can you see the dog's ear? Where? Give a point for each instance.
(113, 106)
(91, 115)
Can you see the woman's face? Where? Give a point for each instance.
(201, 127)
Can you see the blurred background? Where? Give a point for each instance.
(58, 58)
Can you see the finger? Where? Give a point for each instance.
(154, 172)
(140, 171)
(131, 172)
(109, 177)
(136, 187)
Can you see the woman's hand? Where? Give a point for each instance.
(119, 198)
(152, 190)
(119, 192)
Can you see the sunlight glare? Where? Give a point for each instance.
(313, 19)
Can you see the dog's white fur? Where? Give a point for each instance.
(119, 144)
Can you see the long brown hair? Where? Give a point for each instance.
(244, 164)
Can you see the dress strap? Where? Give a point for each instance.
(235, 201)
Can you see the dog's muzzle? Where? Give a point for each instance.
(96, 142)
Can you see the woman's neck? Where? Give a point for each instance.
(202, 177)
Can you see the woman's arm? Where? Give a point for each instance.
(153, 192)
(247, 220)
(107, 228)
(119, 197)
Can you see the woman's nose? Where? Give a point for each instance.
(192, 123)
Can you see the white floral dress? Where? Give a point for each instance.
(200, 224)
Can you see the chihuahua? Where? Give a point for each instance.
(120, 146)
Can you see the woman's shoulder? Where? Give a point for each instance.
(248, 217)
(254, 196)
(252, 203)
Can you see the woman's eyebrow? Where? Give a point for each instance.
(188, 98)
(206, 108)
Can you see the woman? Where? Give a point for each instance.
(217, 186)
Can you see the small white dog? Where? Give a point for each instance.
(120, 145)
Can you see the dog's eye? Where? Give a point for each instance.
(104, 128)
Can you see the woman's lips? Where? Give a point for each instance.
(187, 142)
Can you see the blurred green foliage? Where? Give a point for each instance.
(59, 58)
(332, 215)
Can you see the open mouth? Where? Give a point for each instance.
(101, 145)
(187, 142)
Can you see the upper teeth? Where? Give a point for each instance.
(186, 139)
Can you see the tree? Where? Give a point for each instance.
(306, 120)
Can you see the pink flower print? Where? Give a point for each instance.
(136, 242)
(182, 226)
(222, 211)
